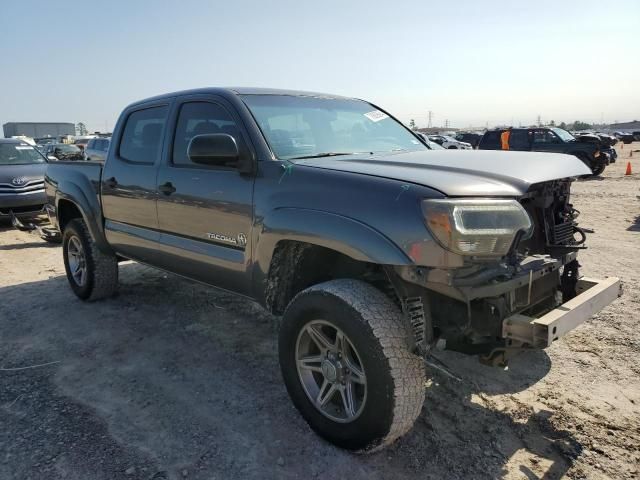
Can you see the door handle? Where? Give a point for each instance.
(167, 188)
(111, 182)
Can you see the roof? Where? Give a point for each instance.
(239, 91)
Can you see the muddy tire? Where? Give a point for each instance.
(92, 274)
(346, 337)
(597, 170)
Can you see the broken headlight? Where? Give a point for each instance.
(481, 227)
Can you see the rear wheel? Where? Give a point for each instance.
(92, 274)
(346, 364)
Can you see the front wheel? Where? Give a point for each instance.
(92, 274)
(598, 169)
(345, 359)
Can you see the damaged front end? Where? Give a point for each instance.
(516, 284)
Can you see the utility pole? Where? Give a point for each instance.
(430, 124)
(446, 123)
(539, 121)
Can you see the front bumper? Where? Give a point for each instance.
(22, 203)
(593, 296)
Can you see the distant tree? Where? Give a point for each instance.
(552, 123)
(81, 129)
(412, 124)
(563, 125)
(578, 125)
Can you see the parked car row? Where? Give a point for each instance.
(549, 139)
(90, 149)
(449, 142)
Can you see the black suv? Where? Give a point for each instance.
(547, 139)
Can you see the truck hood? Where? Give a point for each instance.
(30, 172)
(461, 173)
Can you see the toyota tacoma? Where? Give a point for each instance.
(329, 212)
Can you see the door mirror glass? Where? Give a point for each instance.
(218, 149)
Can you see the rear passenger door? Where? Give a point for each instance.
(520, 140)
(129, 192)
(205, 212)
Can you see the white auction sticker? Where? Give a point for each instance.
(376, 115)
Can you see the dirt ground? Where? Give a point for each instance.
(172, 380)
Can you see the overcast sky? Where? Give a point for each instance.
(470, 62)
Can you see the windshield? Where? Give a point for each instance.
(302, 127)
(19, 154)
(563, 134)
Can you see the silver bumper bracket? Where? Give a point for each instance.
(593, 296)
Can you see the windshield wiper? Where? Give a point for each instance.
(325, 154)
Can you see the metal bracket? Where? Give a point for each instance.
(592, 296)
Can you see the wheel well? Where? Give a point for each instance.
(298, 265)
(67, 211)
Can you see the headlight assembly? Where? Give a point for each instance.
(479, 227)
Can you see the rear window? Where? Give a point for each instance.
(142, 137)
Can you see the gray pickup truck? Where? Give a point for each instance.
(375, 249)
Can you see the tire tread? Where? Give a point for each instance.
(407, 370)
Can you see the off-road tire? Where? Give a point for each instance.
(597, 170)
(395, 376)
(102, 268)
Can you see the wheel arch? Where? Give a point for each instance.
(292, 239)
(74, 203)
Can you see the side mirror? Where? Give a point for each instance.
(51, 157)
(219, 149)
(214, 149)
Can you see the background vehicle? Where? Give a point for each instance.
(548, 139)
(330, 212)
(22, 169)
(81, 142)
(472, 138)
(605, 143)
(450, 142)
(96, 149)
(625, 137)
(430, 144)
(63, 151)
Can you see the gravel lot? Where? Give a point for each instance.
(172, 380)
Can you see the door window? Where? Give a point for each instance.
(142, 137)
(544, 137)
(200, 118)
(519, 140)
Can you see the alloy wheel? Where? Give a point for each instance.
(331, 371)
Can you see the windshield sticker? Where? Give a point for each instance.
(19, 147)
(376, 115)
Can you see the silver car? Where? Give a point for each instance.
(97, 148)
